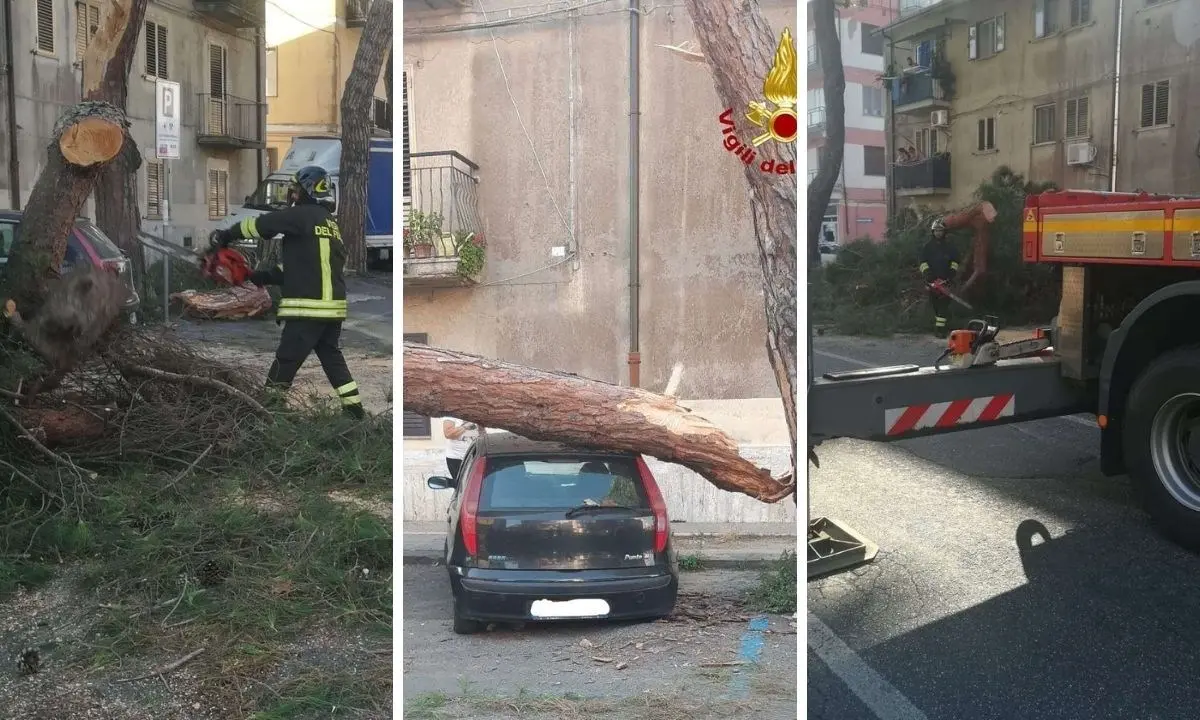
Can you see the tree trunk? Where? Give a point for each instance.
(543, 405)
(87, 137)
(740, 48)
(357, 103)
(829, 47)
(117, 210)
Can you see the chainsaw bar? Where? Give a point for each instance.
(1021, 348)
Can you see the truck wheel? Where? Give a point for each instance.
(1162, 444)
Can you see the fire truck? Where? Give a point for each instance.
(1124, 347)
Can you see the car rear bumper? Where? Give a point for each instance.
(512, 601)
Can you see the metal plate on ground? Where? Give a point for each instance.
(834, 546)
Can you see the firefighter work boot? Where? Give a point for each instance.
(940, 330)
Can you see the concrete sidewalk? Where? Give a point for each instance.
(714, 545)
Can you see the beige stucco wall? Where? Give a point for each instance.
(1029, 72)
(701, 298)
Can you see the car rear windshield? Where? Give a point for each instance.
(99, 241)
(560, 483)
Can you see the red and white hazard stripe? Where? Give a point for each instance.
(902, 420)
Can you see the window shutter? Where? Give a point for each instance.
(1147, 118)
(1081, 121)
(151, 49)
(154, 189)
(406, 149)
(216, 71)
(1162, 101)
(1072, 128)
(999, 33)
(45, 26)
(218, 187)
(982, 135)
(1039, 18)
(162, 52)
(973, 42)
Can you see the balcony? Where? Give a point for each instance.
(912, 7)
(231, 122)
(919, 92)
(356, 13)
(816, 120)
(443, 237)
(924, 177)
(234, 13)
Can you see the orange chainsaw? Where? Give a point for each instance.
(225, 266)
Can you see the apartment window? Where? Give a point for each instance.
(872, 101)
(1045, 17)
(215, 119)
(1043, 124)
(45, 26)
(271, 74)
(218, 193)
(1081, 12)
(812, 48)
(1078, 123)
(1156, 102)
(987, 134)
(985, 38)
(381, 115)
(872, 40)
(156, 180)
(87, 20)
(406, 139)
(874, 164)
(156, 51)
(927, 143)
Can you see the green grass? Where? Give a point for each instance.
(776, 591)
(691, 563)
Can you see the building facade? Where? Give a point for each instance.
(309, 54)
(211, 48)
(858, 206)
(1027, 84)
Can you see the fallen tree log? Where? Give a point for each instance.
(543, 405)
(231, 303)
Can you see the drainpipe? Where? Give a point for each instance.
(635, 357)
(889, 149)
(260, 97)
(14, 147)
(1112, 170)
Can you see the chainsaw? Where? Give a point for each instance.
(976, 345)
(226, 266)
(941, 289)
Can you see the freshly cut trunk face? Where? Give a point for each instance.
(564, 513)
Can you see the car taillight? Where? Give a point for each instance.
(662, 525)
(469, 514)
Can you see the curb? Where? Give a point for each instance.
(753, 563)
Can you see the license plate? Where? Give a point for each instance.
(577, 608)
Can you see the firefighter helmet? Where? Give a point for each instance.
(312, 185)
(938, 227)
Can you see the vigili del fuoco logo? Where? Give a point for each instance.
(780, 124)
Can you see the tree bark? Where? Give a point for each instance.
(740, 48)
(357, 103)
(87, 137)
(117, 210)
(829, 47)
(542, 405)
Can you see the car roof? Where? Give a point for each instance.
(506, 443)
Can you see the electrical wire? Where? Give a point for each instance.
(305, 23)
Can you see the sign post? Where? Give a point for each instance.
(167, 124)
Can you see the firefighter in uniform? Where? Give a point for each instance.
(939, 265)
(313, 303)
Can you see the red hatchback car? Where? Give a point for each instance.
(87, 244)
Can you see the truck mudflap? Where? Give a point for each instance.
(904, 401)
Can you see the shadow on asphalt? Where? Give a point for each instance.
(1106, 627)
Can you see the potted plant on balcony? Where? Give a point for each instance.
(422, 233)
(468, 246)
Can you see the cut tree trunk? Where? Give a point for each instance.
(87, 137)
(358, 99)
(829, 47)
(543, 405)
(740, 48)
(117, 210)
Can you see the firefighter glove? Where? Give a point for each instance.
(261, 278)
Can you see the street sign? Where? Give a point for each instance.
(167, 119)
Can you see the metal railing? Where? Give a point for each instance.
(227, 119)
(911, 7)
(816, 118)
(444, 183)
(931, 173)
(238, 13)
(356, 12)
(917, 87)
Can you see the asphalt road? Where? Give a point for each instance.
(675, 665)
(367, 327)
(1092, 616)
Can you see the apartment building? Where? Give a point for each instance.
(309, 54)
(1027, 84)
(211, 47)
(858, 207)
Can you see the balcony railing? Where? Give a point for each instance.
(918, 88)
(231, 122)
(442, 183)
(929, 175)
(816, 119)
(235, 13)
(356, 12)
(911, 7)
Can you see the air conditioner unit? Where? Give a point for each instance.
(1081, 153)
(939, 118)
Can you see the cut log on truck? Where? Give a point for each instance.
(544, 405)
